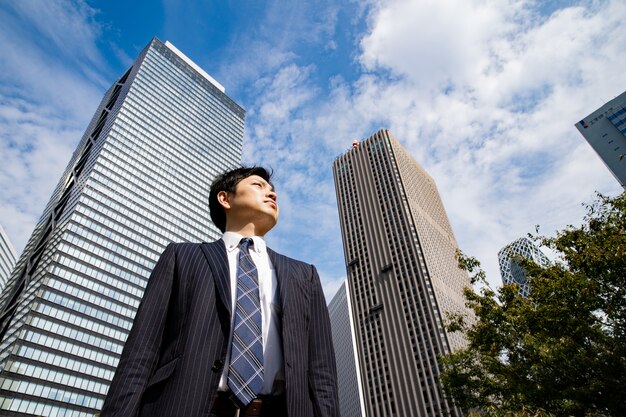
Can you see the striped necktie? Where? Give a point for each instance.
(245, 375)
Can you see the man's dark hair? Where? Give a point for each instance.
(228, 182)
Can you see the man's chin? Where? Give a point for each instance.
(270, 223)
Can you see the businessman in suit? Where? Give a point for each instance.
(229, 328)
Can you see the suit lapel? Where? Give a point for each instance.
(215, 253)
(282, 273)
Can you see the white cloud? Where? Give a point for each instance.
(485, 95)
(68, 26)
(285, 94)
(435, 43)
(50, 76)
(279, 34)
(34, 149)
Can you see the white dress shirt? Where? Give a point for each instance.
(273, 373)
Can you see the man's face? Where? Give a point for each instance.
(254, 201)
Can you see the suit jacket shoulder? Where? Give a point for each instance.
(281, 261)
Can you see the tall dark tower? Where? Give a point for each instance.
(138, 180)
(402, 274)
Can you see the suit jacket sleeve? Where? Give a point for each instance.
(141, 351)
(322, 366)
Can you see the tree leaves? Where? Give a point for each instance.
(562, 350)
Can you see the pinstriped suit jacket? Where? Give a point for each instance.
(174, 355)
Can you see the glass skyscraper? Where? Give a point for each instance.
(138, 180)
(403, 277)
(605, 131)
(510, 269)
(7, 258)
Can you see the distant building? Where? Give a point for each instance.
(403, 277)
(138, 180)
(348, 380)
(512, 272)
(605, 130)
(7, 258)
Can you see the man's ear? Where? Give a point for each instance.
(223, 199)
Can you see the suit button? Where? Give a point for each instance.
(217, 365)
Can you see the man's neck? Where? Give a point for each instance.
(249, 230)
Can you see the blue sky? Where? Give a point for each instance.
(483, 93)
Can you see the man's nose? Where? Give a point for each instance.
(272, 195)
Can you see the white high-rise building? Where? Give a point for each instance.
(605, 130)
(512, 272)
(348, 378)
(138, 180)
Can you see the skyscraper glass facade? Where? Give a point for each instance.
(510, 269)
(138, 180)
(7, 258)
(403, 277)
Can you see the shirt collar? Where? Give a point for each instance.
(232, 239)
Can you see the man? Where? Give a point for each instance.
(229, 328)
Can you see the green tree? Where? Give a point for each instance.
(562, 350)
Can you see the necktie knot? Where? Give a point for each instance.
(245, 243)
